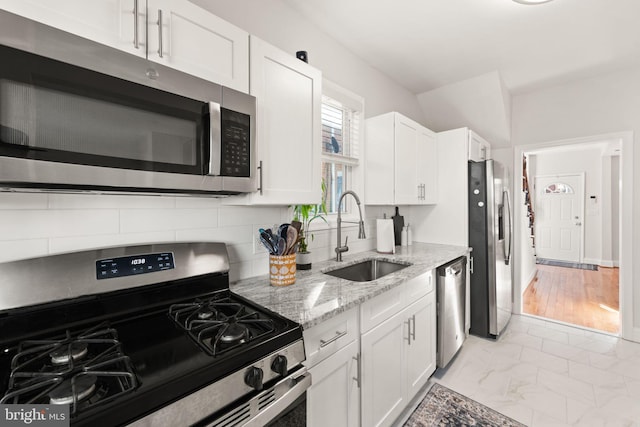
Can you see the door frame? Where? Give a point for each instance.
(582, 203)
(627, 329)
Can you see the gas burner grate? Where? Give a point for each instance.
(83, 370)
(219, 324)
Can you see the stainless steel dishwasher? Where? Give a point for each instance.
(451, 296)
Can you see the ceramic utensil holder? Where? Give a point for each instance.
(282, 269)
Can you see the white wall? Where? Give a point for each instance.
(584, 108)
(278, 24)
(482, 104)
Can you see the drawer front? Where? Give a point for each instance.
(418, 287)
(325, 339)
(381, 308)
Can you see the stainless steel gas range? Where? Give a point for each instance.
(145, 335)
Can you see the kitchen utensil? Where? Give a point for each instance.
(282, 246)
(292, 238)
(398, 223)
(266, 241)
(282, 230)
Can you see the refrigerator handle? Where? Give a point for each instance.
(507, 227)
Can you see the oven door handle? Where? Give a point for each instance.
(299, 382)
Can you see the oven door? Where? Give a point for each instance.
(51, 111)
(271, 406)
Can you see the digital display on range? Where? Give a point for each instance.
(130, 265)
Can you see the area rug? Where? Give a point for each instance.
(444, 407)
(555, 263)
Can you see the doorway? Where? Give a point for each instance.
(559, 206)
(567, 208)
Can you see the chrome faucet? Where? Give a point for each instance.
(361, 234)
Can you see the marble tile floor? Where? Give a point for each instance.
(547, 374)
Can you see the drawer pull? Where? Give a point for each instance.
(338, 335)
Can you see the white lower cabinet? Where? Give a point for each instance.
(333, 351)
(365, 373)
(384, 372)
(334, 396)
(398, 349)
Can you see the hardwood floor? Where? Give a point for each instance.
(580, 297)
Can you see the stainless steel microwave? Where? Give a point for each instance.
(76, 115)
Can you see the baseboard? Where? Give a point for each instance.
(634, 335)
(593, 261)
(608, 263)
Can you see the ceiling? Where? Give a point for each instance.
(426, 44)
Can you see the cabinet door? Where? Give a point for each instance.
(334, 397)
(384, 372)
(288, 93)
(479, 149)
(197, 42)
(421, 351)
(110, 22)
(407, 189)
(427, 158)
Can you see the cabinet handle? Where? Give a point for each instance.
(160, 33)
(424, 191)
(358, 377)
(338, 335)
(136, 42)
(409, 331)
(260, 169)
(413, 332)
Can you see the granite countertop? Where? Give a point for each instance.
(316, 297)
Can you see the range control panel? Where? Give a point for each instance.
(130, 265)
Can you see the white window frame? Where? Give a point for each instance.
(355, 102)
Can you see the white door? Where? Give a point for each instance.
(334, 396)
(384, 371)
(407, 190)
(558, 216)
(421, 351)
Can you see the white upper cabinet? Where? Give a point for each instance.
(110, 22)
(479, 149)
(185, 37)
(400, 162)
(289, 94)
(193, 40)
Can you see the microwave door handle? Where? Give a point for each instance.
(136, 41)
(215, 139)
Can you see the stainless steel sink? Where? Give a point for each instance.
(368, 270)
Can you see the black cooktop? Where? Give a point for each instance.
(159, 357)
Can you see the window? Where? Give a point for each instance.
(558, 188)
(341, 118)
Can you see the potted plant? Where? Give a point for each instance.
(305, 214)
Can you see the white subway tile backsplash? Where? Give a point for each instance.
(236, 215)
(41, 223)
(110, 201)
(11, 250)
(70, 244)
(23, 201)
(231, 235)
(37, 224)
(138, 220)
(184, 202)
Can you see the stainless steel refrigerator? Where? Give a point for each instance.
(490, 230)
